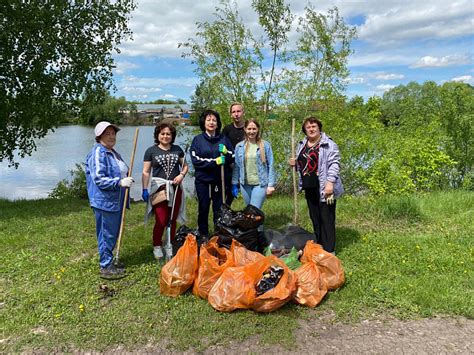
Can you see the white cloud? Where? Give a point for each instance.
(355, 80)
(387, 76)
(121, 67)
(468, 79)
(385, 87)
(430, 62)
(168, 96)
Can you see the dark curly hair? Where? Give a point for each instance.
(162, 126)
(311, 119)
(202, 119)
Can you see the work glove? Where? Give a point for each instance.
(220, 160)
(222, 149)
(330, 199)
(127, 181)
(145, 195)
(235, 190)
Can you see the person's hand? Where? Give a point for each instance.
(292, 161)
(178, 179)
(328, 189)
(235, 190)
(126, 182)
(145, 195)
(270, 190)
(220, 160)
(222, 149)
(330, 199)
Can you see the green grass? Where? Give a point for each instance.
(404, 257)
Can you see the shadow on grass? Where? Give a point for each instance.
(43, 207)
(345, 237)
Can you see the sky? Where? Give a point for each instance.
(398, 42)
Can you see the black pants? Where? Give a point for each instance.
(323, 217)
(207, 192)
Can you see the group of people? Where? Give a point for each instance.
(226, 162)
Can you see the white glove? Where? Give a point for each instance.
(126, 182)
(330, 199)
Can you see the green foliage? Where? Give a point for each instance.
(101, 106)
(52, 52)
(74, 187)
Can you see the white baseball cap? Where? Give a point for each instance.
(102, 126)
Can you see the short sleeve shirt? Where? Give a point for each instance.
(165, 163)
(308, 166)
(234, 134)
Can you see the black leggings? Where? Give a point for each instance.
(323, 217)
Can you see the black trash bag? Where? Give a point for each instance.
(286, 239)
(180, 237)
(248, 238)
(249, 218)
(271, 277)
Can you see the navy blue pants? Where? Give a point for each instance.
(207, 193)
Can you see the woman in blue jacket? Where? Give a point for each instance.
(209, 151)
(253, 170)
(106, 178)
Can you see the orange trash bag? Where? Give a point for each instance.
(235, 289)
(242, 256)
(329, 265)
(179, 273)
(310, 286)
(281, 293)
(213, 260)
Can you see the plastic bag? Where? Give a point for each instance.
(180, 272)
(292, 259)
(249, 218)
(329, 265)
(270, 279)
(282, 241)
(283, 291)
(213, 260)
(310, 286)
(248, 238)
(242, 256)
(180, 237)
(235, 289)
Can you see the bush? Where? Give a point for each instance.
(75, 187)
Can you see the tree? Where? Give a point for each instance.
(52, 53)
(275, 18)
(320, 60)
(226, 57)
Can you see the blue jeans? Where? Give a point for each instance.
(107, 228)
(254, 195)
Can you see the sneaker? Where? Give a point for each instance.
(111, 272)
(158, 252)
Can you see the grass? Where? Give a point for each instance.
(404, 257)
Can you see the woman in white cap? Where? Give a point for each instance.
(106, 177)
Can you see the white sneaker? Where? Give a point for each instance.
(158, 252)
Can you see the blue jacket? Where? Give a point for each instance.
(103, 179)
(204, 151)
(328, 165)
(265, 171)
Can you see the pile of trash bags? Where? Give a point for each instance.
(231, 276)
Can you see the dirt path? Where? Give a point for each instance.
(425, 336)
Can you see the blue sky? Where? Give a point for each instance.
(398, 42)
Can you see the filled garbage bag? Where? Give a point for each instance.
(329, 265)
(310, 286)
(242, 256)
(213, 260)
(181, 234)
(249, 218)
(292, 259)
(235, 289)
(180, 272)
(249, 238)
(283, 290)
(270, 279)
(282, 241)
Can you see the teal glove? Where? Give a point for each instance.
(222, 149)
(220, 160)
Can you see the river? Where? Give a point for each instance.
(61, 150)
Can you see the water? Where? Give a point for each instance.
(60, 151)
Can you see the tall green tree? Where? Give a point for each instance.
(275, 17)
(52, 52)
(226, 56)
(320, 60)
